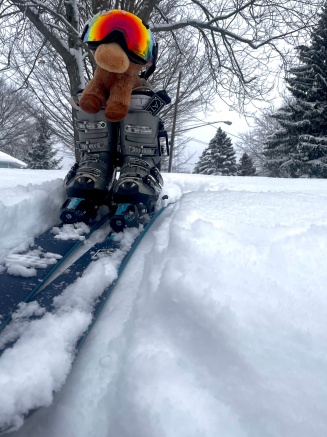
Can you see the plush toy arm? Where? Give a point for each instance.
(96, 92)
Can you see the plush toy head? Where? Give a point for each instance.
(123, 47)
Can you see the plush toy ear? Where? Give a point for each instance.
(111, 57)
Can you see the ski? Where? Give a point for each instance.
(108, 291)
(24, 273)
(104, 249)
(45, 297)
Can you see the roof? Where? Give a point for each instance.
(4, 157)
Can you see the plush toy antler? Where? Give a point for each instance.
(123, 47)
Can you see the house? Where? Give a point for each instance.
(7, 161)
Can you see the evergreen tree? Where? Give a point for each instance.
(281, 153)
(299, 147)
(218, 158)
(41, 154)
(246, 167)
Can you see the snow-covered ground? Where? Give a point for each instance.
(216, 328)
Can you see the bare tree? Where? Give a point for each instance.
(252, 142)
(232, 45)
(51, 85)
(238, 37)
(240, 42)
(17, 121)
(182, 156)
(196, 90)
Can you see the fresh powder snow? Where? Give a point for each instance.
(217, 327)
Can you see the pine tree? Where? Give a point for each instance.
(281, 153)
(246, 167)
(41, 154)
(218, 158)
(299, 147)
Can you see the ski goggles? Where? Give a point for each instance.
(124, 28)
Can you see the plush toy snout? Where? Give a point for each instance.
(111, 57)
(112, 84)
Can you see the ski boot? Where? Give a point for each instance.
(140, 182)
(92, 181)
(89, 182)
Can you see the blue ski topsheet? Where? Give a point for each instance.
(70, 275)
(106, 248)
(15, 289)
(75, 270)
(45, 296)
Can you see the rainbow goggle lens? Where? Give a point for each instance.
(124, 28)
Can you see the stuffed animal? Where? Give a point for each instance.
(123, 47)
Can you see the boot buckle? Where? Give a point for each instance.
(86, 125)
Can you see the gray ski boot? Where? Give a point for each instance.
(92, 180)
(140, 181)
(92, 177)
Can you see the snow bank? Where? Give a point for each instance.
(217, 326)
(38, 363)
(28, 209)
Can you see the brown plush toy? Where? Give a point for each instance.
(123, 47)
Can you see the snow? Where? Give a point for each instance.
(71, 232)
(4, 157)
(216, 327)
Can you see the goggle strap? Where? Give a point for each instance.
(147, 73)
